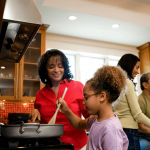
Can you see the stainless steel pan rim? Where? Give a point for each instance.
(32, 130)
(31, 124)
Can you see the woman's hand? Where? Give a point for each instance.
(143, 129)
(35, 116)
(64, 107)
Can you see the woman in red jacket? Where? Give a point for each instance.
(54, 72)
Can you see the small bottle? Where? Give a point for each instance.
(25, 95)
(0, 93)
(6, 121)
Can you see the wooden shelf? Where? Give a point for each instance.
(31, 79)
(6, 98)
(28, 63)
(33, 48)
(6, 78)
(10, 100)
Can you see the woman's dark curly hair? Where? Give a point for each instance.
(42, 66)
(110, 79)
(127, 63)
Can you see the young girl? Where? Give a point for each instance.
(106, 132)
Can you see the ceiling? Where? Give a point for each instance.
(95, 18)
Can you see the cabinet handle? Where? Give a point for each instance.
(21, 80)
(17, 83)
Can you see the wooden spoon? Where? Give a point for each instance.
(53, 119)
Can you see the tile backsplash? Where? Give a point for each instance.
(6, 108)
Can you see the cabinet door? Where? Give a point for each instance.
(8, 80)
(30, 83)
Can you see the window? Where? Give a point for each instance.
(113, 62)
(88, 67)
(71, 59)
(136, 86)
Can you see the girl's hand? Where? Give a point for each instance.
(64, 107)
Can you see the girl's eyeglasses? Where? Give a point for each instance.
(88, 96)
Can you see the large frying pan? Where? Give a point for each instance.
(32, 130)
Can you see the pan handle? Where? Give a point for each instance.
(28, 124)
(38, 129)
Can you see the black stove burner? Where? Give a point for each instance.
(38, 142)
(33, 144)
(49, 147)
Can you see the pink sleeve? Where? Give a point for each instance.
(114, 140)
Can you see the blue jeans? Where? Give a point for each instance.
(144, 142)
(133, 138)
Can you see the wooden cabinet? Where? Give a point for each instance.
(8, 80)
(20, 81)
(144, 55)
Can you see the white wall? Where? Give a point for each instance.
(89, 46)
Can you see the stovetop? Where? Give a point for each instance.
(34, 144)
(50, 147)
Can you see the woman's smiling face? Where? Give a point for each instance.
(135, 70)
(55, 69)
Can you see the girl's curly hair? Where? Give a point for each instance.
(110, 79)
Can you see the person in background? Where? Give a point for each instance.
(144, 102)
(127, 108)
(106, 132)
(54, 72)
